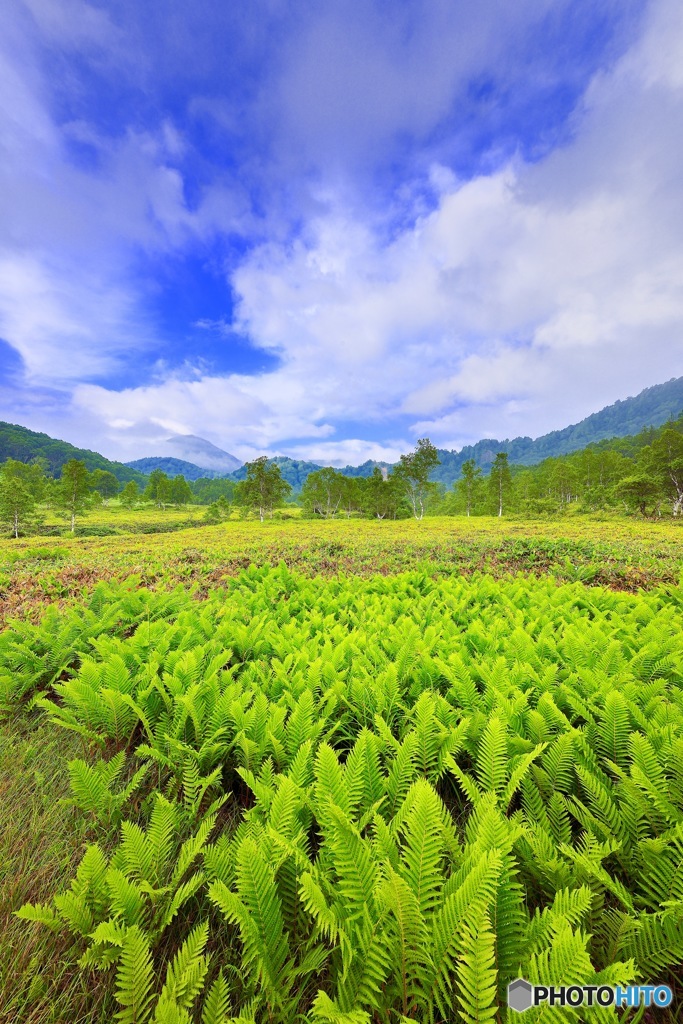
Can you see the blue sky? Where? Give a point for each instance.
(327, 230)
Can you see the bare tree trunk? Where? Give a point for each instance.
(73, 522)
(16, 526)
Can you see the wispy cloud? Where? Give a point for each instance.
(410, 215)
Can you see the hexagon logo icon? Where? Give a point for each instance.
(520, 995)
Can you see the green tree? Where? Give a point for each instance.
(72, 493)
(158, 489)
(664, 462)
(467, 485)
(105, 483)
(413, 472)
(352, 496)
(564, 481)
(323, 491)
(130, 494)
(639, 491)
(180, 491)
(218, 510)
(500, 481)
(263, 489)
(381, 496)
(524, 490)
(32, 474)
(17, 503)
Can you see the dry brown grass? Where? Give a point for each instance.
(41, 843)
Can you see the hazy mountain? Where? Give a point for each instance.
(200, 452)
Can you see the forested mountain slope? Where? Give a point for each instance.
(20, 443)
(650, 408)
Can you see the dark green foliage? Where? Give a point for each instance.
(206, 490)
(181, 492)
(323, 492)
(174, 467)
(25, 445)
(104, 482)
(382, 496)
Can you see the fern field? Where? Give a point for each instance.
(357, 800)
(624, 554)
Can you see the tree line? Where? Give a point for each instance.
(26, 490)
(641, 474)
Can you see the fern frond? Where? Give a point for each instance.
(422, 854)
(41, 913)
(411, 961)
(491, 764)
(475, 972)
(258, 913)
(186, 972)
(216, 1008)
(326, 1010)
(134, 978)
(476, 890)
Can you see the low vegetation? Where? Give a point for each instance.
(361, 754)
(351, 778)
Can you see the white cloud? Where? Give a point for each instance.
(66, 323)
(350, 452)
(534, 295)
(525, 299)
(226, 410)
(69, 236)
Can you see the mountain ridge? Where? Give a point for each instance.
(175, 467)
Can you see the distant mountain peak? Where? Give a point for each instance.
(200, 452)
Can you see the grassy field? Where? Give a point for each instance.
(620, 553)
(350, 772)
